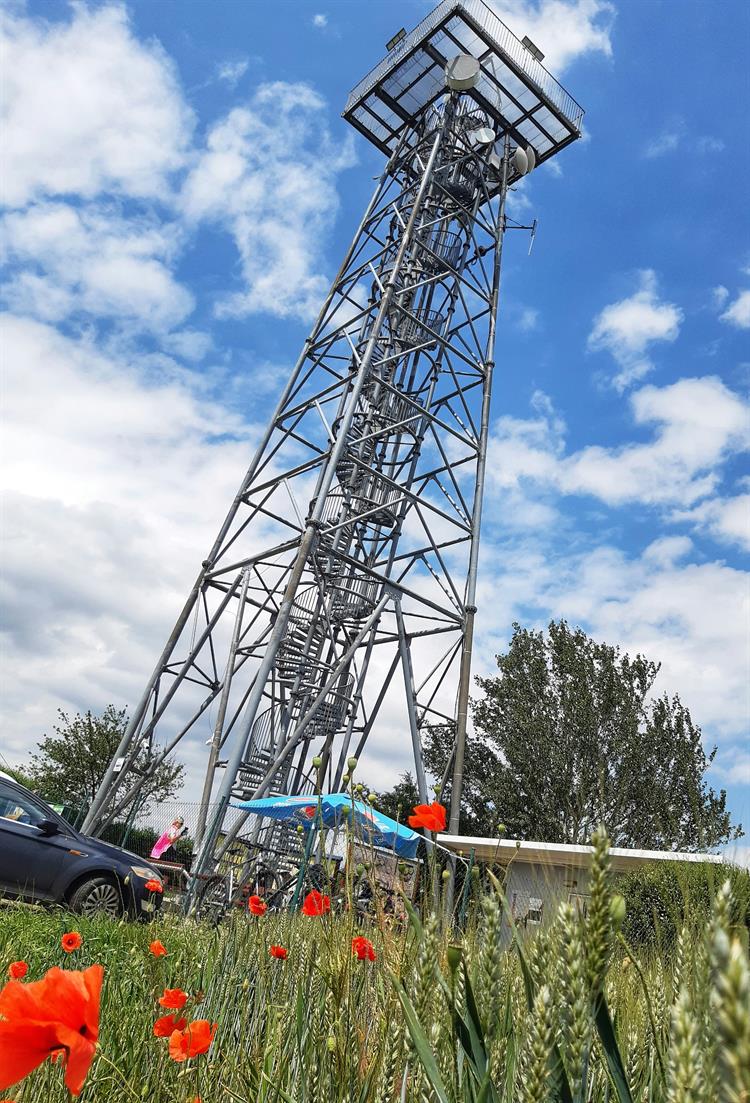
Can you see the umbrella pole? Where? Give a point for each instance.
(302, 869)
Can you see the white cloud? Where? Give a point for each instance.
(116, 477)
(320, 20)
(667, 142)
(87, 108)
(719, 296)
(268, 175)
(738, 313)
(529, 319)
(562, 30)
(626, 328)
(726, 519)
(690, 616)
(707, 143)
(231, 72)
(698, 424)
(94, 260)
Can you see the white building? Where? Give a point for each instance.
(540, 875)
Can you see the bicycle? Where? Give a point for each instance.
(223, 890)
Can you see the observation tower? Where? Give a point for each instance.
(344, 575)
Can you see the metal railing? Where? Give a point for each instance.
(502, 37)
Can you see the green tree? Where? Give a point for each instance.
(399, 801)
(71, 764)
(568, 735)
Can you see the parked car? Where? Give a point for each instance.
(45, 860)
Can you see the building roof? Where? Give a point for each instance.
(502, 851)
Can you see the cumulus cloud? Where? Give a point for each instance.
(93, 260)
(562, 29)
(268, 175)
(726, 519)
(116, 474)
(320, 21)
(697, 425)
(628, 327)
(687, 615)
(87, 108)
(737, 313)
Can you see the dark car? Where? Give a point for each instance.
(44, 860)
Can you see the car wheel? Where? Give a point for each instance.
(99, 896)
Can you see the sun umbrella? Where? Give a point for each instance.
(334, 809)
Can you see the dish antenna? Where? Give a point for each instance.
(462, 73)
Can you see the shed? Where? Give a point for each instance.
(541, 875)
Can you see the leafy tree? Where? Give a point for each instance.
(71, 764)
(18, 775)
(399, 801)
(569, 736)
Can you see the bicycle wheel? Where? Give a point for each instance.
(213, 900)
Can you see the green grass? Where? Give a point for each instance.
(567, 1015)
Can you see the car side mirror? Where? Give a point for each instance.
(48, 827)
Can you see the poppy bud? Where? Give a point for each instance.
(351, 763)
(446, 874)
(345, 779)
(501, 829)
(372, 797)
(317, 761)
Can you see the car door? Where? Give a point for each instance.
(30, 861)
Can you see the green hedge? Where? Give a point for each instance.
(662, 898)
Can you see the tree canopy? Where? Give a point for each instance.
(568, 734)
(72, 762)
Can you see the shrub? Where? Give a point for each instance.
(662, 898)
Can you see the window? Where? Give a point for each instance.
(19, 808)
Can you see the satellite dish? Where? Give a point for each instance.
(531, 157)
(482, 136)
(462, 73)
(520, 161)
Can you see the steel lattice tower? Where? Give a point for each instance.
(348, 558)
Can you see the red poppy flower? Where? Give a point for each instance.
(71, 941)
(58, 1014)
(17, 970)
(363, 948)
(173, 998)
(154, 886)
(158, 949)
(192, 1041)
(166, 1026)
(279, 952)
(316, 904)
(429, 816)
(256, 905)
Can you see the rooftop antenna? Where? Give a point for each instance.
(299, 628)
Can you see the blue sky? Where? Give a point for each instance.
(159, 284)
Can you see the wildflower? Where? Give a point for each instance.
(17, 970)
(256, 906)
(192, 1041)
(316, 904)
(158, 949)
(71, 941)
(363, 948)
(58, 1014)
(279, 952)
(429, 816)
(173, 998)
(154, 886)
(167, 1024)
